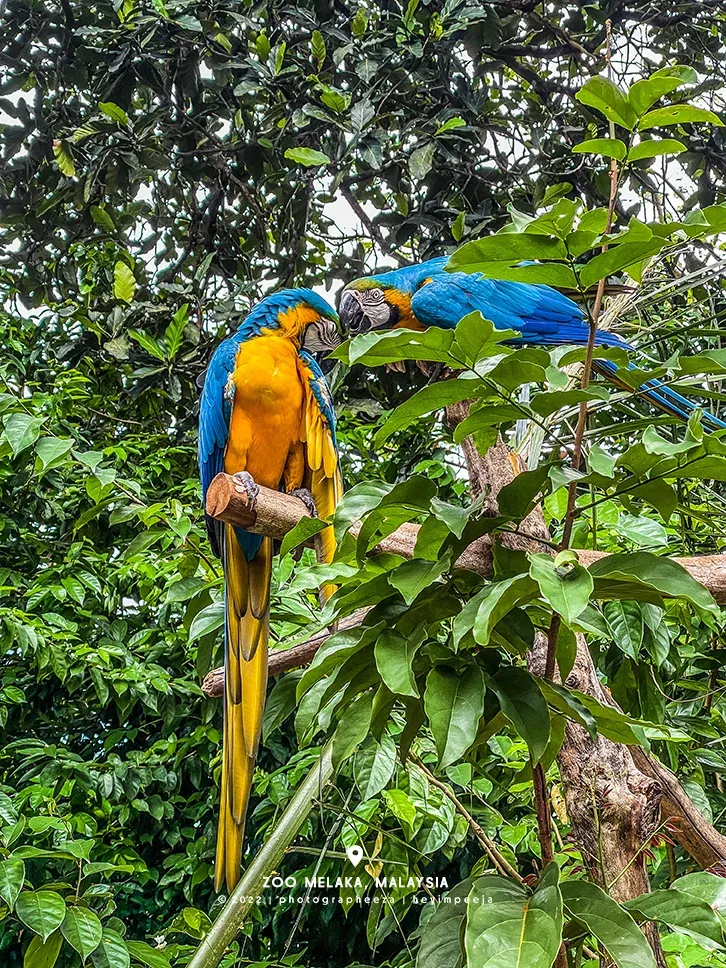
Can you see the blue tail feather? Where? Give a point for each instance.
(665, 397)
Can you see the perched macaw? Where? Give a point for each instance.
(267, 417)
(425, 295)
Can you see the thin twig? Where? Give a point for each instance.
(497, 858)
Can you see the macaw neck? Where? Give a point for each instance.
(292, 322)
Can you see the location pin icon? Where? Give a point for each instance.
(355, 854)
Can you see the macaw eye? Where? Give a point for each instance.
(375, 296)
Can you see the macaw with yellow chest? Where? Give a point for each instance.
(265, 416)
(426, 294)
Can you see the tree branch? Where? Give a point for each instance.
(275, 514)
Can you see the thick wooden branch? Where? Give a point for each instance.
(275, 514)
(694, 833)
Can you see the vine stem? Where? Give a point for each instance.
(539, 781)
(584, 383)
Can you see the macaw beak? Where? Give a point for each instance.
(352, 314)
(362, 310)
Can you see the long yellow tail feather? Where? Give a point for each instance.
(247, 585)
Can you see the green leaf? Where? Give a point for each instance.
(642, 530)
(411, 577)
(42, 911)
(454, 704)
(353, 727)
(174, 334)
(405, 501)
(102, 218)
(152, 346)
(477, 338)
(317, 46)
(517, 497)
(304, 530)
(394, 657)
(442, 935)
(64, 159)
(522, 702)
(124, 283)
(681, 911)
(209, 619)
(458, 226)
(507, 247)
(650, 571)
(146, 955)
(373, 766)
(607, 147)
(280, 703)
(617, 258)
(377, 348)
(508, 928)
(114, 112)
(12, 876)
(51, 451)
(359, 23)
(402, 807)
(600, 462)
(491, 605)
(644, 93)
(434, 396)
(43, 954)
(653, 148)
(607, 98)
(551, 401)
(614, 928)
(82, 930)
(112, 951)
(626, 622)
(678, 114)
(450, 125)
(564, 583)
(22, 430)
(309, 157)
(422, 160)
(708, 887)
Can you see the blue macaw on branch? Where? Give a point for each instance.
(426, 294)
(265, 416)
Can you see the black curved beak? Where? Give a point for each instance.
(352, 314)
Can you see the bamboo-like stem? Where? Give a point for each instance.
(242, 900)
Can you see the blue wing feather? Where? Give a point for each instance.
(530, 309)
(215, 411)
(541, 314)
(321, 391)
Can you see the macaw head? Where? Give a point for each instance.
(384, 301)
(305, 316)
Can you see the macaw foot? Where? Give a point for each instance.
(246, 484)
(304, 495)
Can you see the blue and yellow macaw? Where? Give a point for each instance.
(426, 294)
(266, 416)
